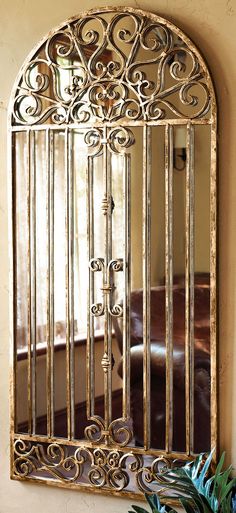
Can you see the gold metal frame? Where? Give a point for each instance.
(109, 461)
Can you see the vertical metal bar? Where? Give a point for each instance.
(33, 276)
(189, 291)
(108, 277)
(107, 255)
(13, 291)
(48, 361)
(213, 287)
(126, 303)
(169, 282)
(67, 281)
(13, 269)
(69, 333)
(76, 258)
(71, 242)
(51, 276)
(90, 296)
(146, 281)
(29, 359)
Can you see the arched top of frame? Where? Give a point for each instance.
(113, 65)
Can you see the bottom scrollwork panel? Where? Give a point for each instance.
(88, 467)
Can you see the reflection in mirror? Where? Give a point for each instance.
(201, 296)
(113, 138)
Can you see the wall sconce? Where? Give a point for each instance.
(179, 151)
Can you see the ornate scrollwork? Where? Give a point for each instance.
(94, 432)
(120, 139)
(125, 66)
(93, 140)
(114, 266)
(83, 465)
(52, 458)
(97, 265)
(119, 431)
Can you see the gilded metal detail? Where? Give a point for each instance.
(105, 205)
(109, 68)
(118, 432)
(86, 466)
(106, 363)
(97, 265)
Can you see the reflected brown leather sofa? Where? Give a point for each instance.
(158, 364)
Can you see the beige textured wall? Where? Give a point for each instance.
(212, 24)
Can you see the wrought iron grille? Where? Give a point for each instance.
(109, 77)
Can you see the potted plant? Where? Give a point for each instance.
(195, 490)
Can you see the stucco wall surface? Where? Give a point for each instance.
(212, 25)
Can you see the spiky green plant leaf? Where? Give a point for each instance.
(138, 509)
(196, 491)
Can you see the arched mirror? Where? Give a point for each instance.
(113, 134)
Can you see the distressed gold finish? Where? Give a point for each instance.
(213, 288)
(110, 92)
(189, 288)
(115, 80)
(50, 292)
(169, 283)
(146, 281)
(86, 466)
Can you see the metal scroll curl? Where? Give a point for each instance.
(119, 432)
(98, 265)
(120, 140)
